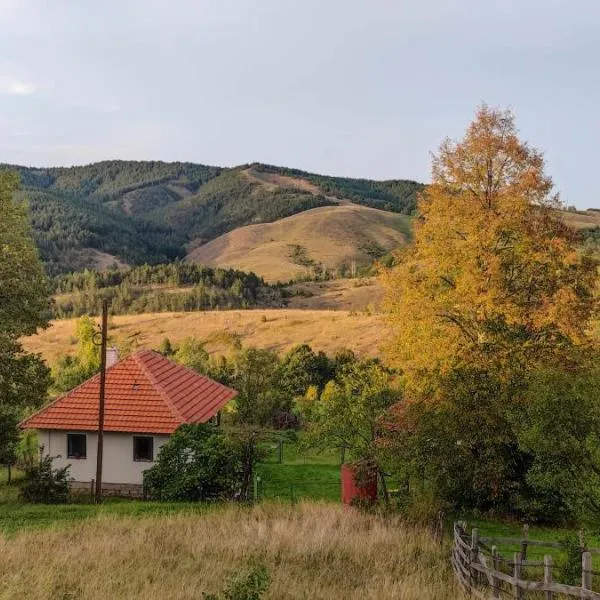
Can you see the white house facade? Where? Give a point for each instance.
(125, 455)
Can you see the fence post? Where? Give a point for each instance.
(474, 552)
(280, 452)
(586, 571)
(93, 489)
(524, 542)
(548, 576)
(517, 576)
(495, 565)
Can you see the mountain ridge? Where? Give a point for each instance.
(154, 211)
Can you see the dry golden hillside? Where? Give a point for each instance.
(289, 248)
(582, 219)
(278, 329)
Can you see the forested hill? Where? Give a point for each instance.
(137, 212)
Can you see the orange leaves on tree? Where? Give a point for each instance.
(493, 275)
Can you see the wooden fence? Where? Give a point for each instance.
(483, 572)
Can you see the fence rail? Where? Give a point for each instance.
(484, 573)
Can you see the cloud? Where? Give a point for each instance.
(19, 88)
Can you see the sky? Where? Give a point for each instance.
(357, 88)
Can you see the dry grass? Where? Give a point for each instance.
(338, 294)
(311, 551)
(329, 235)
(278, 329)
(581, 219)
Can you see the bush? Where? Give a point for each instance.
(197, 463)
(250, 585)
(46, 485)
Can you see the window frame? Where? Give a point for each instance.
(71, 456)
(143, 437)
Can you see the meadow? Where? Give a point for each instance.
(276, 329)
(311, 550)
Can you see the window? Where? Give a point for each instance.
(143, 448)
(76, 445)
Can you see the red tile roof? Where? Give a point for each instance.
(145, 393)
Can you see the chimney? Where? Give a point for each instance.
(112, 357)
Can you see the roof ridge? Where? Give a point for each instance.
(157, 384)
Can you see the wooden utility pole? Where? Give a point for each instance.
(104, 332)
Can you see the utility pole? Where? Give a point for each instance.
(104, 332)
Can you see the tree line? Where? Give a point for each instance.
(155, 288)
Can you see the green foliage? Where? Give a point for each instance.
(24, 292)
(351, 410)
(27, 450)
(24, 304)
(570, 570)
(166, 348)
(249, 585)
(230, 201)
(197, 463)
(150, 289)
(70, 231)
(191, 353)
(74, 370)
(559, 427)
(45, 484)
(301, 368)
(256, 378)
(397, 195)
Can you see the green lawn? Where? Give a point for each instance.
(301, 475)
(305, 476)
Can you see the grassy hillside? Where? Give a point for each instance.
(349, 555)
(279, 329)
(137, 212)
(332, 238)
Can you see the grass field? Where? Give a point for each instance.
(276, 329)
(310, 550)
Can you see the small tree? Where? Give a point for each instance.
(192, 354)
(256, 377)
(351, 411)
(46, 485)
(198, 463)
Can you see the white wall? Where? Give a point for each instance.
(118, 464)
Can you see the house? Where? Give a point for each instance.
(147, 397)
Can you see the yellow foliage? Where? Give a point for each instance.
(493, 275)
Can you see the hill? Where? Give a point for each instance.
(222, 331)
(332, 238)
(135, 212)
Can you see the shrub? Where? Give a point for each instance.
(197, 463)
(250, 585)
(46, 485)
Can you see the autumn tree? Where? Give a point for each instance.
(493, 276)
(493, 291)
